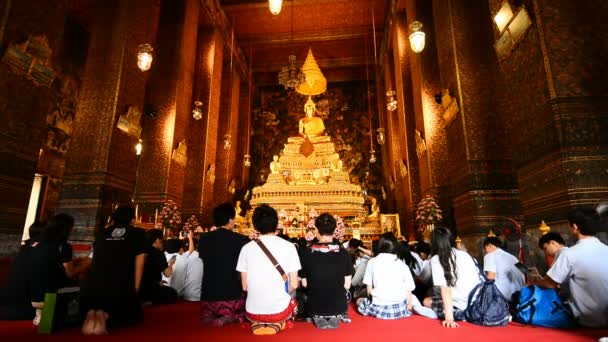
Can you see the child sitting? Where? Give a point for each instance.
(389, 282)
(327, 269)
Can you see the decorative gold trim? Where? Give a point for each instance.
(462, 112)
(543, 49)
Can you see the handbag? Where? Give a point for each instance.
(61, 310)
(275, 263)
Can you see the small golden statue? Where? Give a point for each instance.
(275, 165)
(311, 126)
(238, 218)
(375, 208)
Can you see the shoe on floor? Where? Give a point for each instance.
(320, 322)
(333, 323)
(345, 318)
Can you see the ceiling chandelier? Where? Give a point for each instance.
(290, 77)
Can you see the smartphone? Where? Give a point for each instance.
(522, 267)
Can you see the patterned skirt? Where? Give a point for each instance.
(393, 311)
(232, 310)
(267, 324)
(437, 306)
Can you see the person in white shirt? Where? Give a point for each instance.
(500, 266)
(552, 244)
(269, 303)
(187, 270)
(389, 283)
(583, 267)
(455, 274)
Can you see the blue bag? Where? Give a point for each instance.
(486, 305)
(490, 308)
(542, 307)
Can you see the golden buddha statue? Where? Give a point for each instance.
(311, 126)
(375, 209)
(275, 165)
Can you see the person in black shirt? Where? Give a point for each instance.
(15, 299)
(152, 289)
(222, 299)
(326, 272)
(109, 295)
(51, 265)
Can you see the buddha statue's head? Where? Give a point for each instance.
(309, 107)
(275, 158)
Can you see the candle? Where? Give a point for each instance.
(156, 216)
(136, 211)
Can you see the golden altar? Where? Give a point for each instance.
(308, 175)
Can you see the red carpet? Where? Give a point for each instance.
(180, 323)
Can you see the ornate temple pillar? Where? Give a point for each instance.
(560, 140)
(241, 173)
(201, 168)
(161, 170)
(409, 186)
(482, 183)
(100, 167)
(225, 184)
(429, 111)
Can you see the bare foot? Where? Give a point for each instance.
(88, 327)
(100, 327)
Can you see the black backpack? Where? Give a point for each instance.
(487, 306)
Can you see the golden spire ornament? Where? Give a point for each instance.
(315, 83)
(543, 228)
(491, 233)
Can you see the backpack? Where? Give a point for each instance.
(487, 306)
(490, 308)
(542, 307)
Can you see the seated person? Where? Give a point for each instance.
(455, 274)
(500, 266)
(175, 248)
(326, 274)
(152, 288)
(15, 300)
(193, 279)
(552, 244)
(584, 269)
(389, 283)
(269, 305)
(222, 298)
(110, 292)
(51, 265)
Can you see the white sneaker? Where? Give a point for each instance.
(36, 320)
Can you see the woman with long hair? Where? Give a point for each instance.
(454, 277)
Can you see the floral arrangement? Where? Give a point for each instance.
(428, 211)
(192, 224)
(170, 217)
(312, 216)
(339, 232)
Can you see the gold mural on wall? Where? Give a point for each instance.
(32, 58)
(129, 122)
(450, 107)
(180, 154)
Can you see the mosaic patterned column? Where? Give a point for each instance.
(169, 96)
(100, 167)
(201, 169)
(225, 185)
(410, 184)
(483, 187)
(561, 148)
